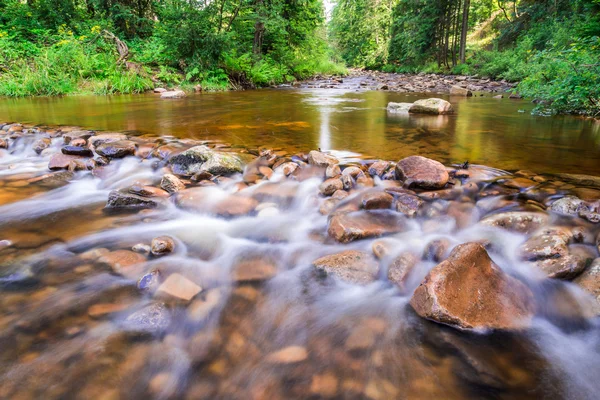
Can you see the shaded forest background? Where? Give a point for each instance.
(56, 47)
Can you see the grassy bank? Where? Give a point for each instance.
(61, 47)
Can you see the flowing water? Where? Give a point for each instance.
(66, 326)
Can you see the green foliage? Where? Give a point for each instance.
(56, 46)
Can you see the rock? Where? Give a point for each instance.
(141, 248)
(330, 186)
(63, 161)
(550, 243)
(76, 151)
(468, 291)
(364, 224)
(200, 309)
(102, 310)
(400, 269)
(173, 94)
(171, 183)
(223, 164)
(498, 96)
(436, 250)
(118, 149)
(590, 212)
(97, 140)
(520, 221)
(379, 168)
(159, 90)
(152, 319)
(53, 179)
(565, 267)
(254, 268)
(398, 107)
(129, 201)
(377, 201)
(162, 245)
(460, 91)
(589, 280)
(287, 168)
(178, 287)
(199, 200)
(3, 143)
(568, 205)
(333, 171)
(69, 137)
(288, 355)
(147, 191)
(149, 281)
(422, 172)
(351, 266)
(322, 160)
(190, 162)
(408, 204)
(324, 385)
(122, 261)
(41, 144)
(431, 106)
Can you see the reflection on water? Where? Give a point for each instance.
(484, 130)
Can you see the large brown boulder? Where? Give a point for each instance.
(364, 224)
(469, 291)
(422, 172)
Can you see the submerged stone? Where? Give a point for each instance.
(152, 319)
(351, 266)
(364, 224)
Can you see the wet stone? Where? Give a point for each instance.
(104, 309)
(519, 221)
(408, 204)
(152, 319)
(147, 191)
(400, 269)
(379, 168)
(421, 172)
(364, 224)
(254, 269)
(352, 266)
(141, 248)
(330, 186)
(118, 149)
(77, 151)
(149, 281)
(122, 261)
(568, 205)
(63, 161)
(178, 287)
(320, 159)
(129, 201)
(468, 291)
(171, 183)
(41, 144)
(377, 200)
(162, 245)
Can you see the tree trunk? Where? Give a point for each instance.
(463, 32)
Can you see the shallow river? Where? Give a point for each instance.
(75, 323)
(484, 130)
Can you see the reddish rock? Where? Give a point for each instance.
(589, 281)
(148, 191)
(330, 186)
(379, 168)
(421, 172)
(171, 183)
(377, 200)
(408, 204)
(63, 161)
(200, 200)
(363, 224)
(468, 291)
(351, 265)
(254, 268)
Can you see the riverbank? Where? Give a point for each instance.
(458, 85)
(175, 266)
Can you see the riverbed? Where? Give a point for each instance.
(286, 269)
